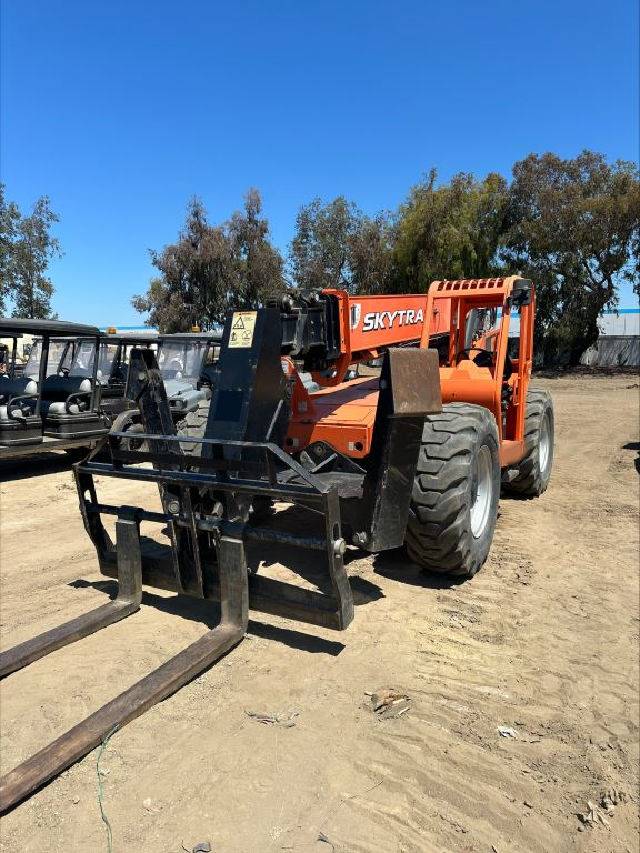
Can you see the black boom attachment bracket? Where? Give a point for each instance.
(409, 390)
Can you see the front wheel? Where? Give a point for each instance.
(456, 489)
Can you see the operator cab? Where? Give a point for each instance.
(482, 328)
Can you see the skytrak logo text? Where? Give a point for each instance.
(376, 320)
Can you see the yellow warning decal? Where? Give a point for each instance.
(243, 324)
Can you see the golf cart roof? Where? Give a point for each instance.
(213, 335)
(149, 336)
(10, 326)
(63, 339)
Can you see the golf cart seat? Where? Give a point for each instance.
(113, 386)
(10, 388)
(18, 423)
(58, 388)
(66, 407)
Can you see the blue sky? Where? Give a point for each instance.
(120, 111)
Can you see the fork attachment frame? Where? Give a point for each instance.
(188, 563)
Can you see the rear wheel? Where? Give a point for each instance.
(531, 477)
(454, 505)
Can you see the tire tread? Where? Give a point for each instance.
(527, 482)
(438, 537)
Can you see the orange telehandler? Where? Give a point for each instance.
(412, 455)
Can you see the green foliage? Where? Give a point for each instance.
(26, 247)
(336, 245)
(211, 269)
(259, 263)
(572, 226)
(9, 219)
(449, 231)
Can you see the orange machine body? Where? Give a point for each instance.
(371, 324)
(342, 412)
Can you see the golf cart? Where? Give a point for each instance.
(185, 360)
(113, 366)
(58, 410)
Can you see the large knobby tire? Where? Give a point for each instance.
(531, 477)
(456, 489)
(194, 424)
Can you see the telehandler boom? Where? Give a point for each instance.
(414, 455)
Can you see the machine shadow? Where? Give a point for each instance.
(634, 445)
(396, 566)
(207, 613)
(310, 566)
(22, 469)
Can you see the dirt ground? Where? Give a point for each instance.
(544, 640)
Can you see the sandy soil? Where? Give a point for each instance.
(544, 640)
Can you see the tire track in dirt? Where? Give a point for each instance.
(578, 755)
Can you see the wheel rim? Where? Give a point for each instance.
(544, 444)
(481, 503)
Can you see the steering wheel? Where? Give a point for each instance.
(482, 361)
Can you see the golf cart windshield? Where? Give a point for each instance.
(182, 359)
(83, 362)
(105, 361)
(60, 356)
